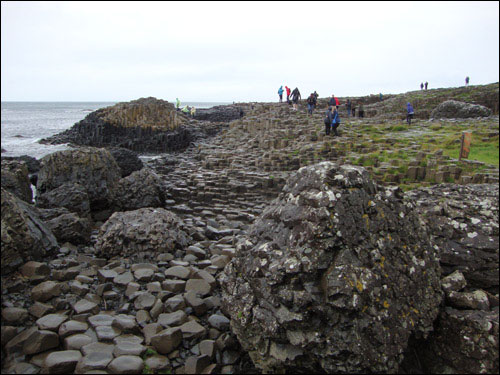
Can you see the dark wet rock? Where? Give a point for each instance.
(140, 189)
(71, 196)
(339, 275)
(127, 160)
(69, 227)
(40, 341)
(146, 229)
(33, 268)
(15, 179)
(465, 342)
(463, 223)
(24, 236)
(167, 340)
(222, 113)
(14, 315)
(94, 169)
(456, 109)
(51, 322)
(32, 163)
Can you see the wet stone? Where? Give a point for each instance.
(107, 333)
(145, 301)
(128, 348)
(93, 361)
(179, 272)
(124, 278)
(219, 322)
(98, 347)
(45, 291)
(39, 309)
(72, 327)
(101, 320)
(173, 319)
(76, 341)
(84, 306)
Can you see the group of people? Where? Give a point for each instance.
(292, 97)
(422, 85)
(186, 109)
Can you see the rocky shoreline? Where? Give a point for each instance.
(224, 259)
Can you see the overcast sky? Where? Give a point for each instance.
(241, 51)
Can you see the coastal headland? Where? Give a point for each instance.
(245, 240)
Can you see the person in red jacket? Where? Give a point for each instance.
(287, 94)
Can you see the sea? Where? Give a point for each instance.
(23, 124)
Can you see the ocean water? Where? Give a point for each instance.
(23, 124)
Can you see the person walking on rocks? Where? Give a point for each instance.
(280, 93)
(422, 86)
(328, 120)
(348, 107)
(426, 83)
(177, 104)
(295, 98)
(335, 121)
(311, 102)
(193, 111)
(410, 113)
(467, 81)
(287, 94)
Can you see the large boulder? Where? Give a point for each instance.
(153, 230)
(15, 178)
(335, 275)
(456, 109)
(67, 226)
(24, 235)
(94, 169)
(463, 223)
(127, 160)
(140, 189)
(71, 196)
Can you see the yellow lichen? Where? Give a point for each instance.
(386, 304)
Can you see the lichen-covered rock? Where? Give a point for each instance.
(335, 275)
(463, 223)
(24, 236)
(142, 188)
(71, 196)
(456, 109)
(153, 230)
(15, 178)
(94, 169)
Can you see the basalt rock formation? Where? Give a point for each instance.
(335, 275)
(143, 125)
(456, 109)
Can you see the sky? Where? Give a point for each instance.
(242, 51)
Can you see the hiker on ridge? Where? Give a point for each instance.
(328, 120)
(410, 113)
(287, 94)
(311, 102)
(422, 86)
(467, 81)
(280, 93)
(295, 98)
(177, 104)
(426, 83)
(335, 121)
(348, 106)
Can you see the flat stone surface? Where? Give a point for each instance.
(72, 327)
(83, 306)
(101, 320)
(106, 333)
(126, 364)
(180, 272)
(45, 291)
(51, 322)
(145, 301)
(199, 286)
(124, 278)
(173, 319)
(14, 315)
(192, 330)
(76, 341)
(128, 348)
(95, 360)
(40, 341)
(98, 347)
(219, 322)
(167, 340)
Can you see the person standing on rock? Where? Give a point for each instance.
(280, 93)
(422, 86)
(467, 81)
(426, 83)
(410, 113)
(310, 103)
(328, 120)
(177, 104)
(193, 111)
(348, 106)
(361, 111)
(335, 121)
(287, 94)
(295, 98)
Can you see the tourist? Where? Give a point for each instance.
(335, 121)
(295, 98)
(288, 94)
(193, 111)
(467, 81)
(410, 113)
(353, 111)
(185, 109)
(328, 120)
(426, 85)
(280, 93)
(348, 106)
(310, 103)
(361, 111)
(422, 86)
(177, 104)
(381, 97)
(315, 97)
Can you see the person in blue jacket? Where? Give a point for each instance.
(280, 93)
(410, 113)
(335, 121)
